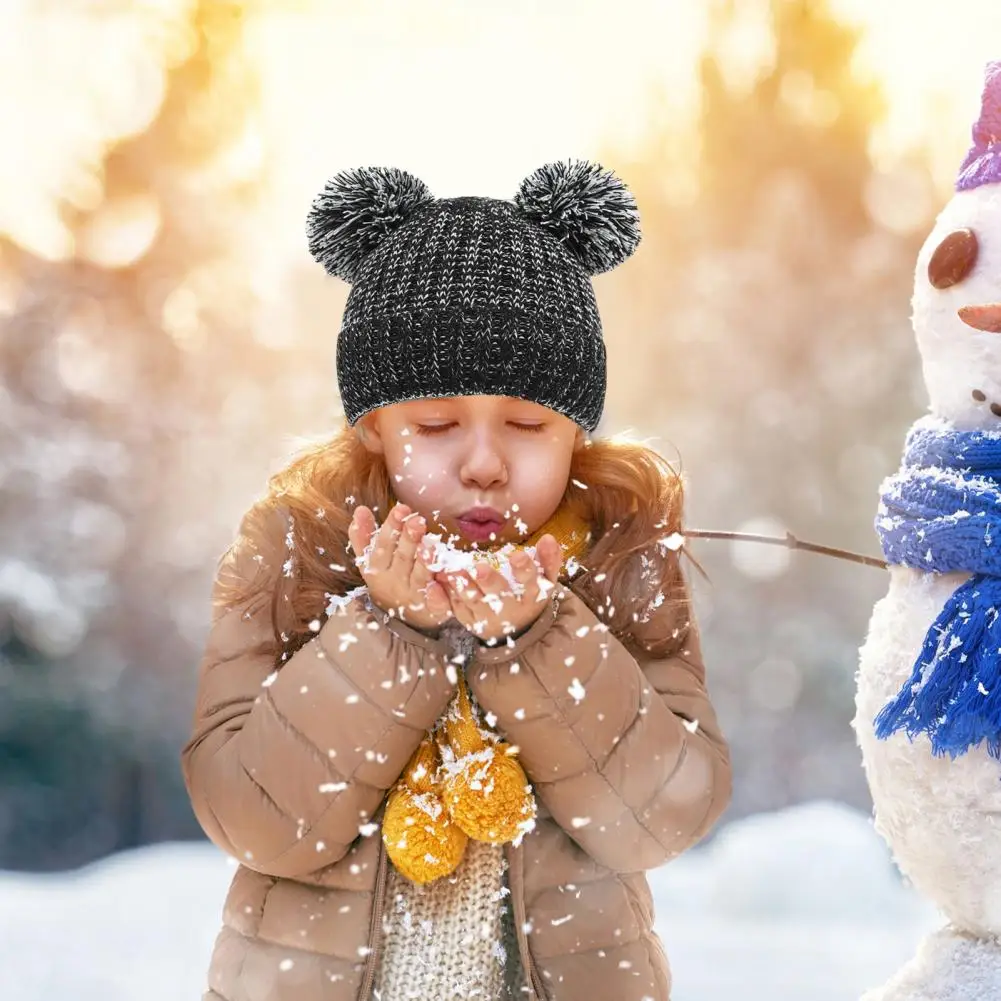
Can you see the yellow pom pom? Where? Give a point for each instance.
(420, 837)
(488, 796)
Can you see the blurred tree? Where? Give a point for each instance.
(803, 106)
(106, 378)
(770, 307)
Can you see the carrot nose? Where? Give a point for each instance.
(985, 317)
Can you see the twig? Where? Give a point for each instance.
(790, 542)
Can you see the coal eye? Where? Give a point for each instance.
(953, 259)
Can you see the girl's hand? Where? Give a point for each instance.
(488, 608)
(395, 575)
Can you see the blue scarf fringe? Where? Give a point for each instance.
(942, 513)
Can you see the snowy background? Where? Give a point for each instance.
(800, 903)
(166, 341)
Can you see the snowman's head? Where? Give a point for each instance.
(957, 310)
(956, 306)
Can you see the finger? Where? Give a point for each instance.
(421, 575)
(490, 581)
(524, 567)
(455, 600)
(438, 601)
(470, 605)
(423, 581)
(550, 555)
(461, 588)
(360, 530)
(526, 575)
(495, 587)
(468, 586)
(385, 540)
(549, 558)
(411, 533)
(533, 577)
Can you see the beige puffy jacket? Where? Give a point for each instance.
(288, 772)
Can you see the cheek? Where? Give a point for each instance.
(543, 477)
(427, 479)
(416, 475)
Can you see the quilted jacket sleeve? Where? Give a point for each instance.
(627, 756)
(283, 769)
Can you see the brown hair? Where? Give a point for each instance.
(632, 498)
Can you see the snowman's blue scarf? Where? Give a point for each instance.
(941, 512)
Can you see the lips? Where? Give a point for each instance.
(479, 523)
(983, 317)
(482, 514)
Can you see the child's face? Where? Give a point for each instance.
(449, 454)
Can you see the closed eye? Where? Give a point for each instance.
(439, 428)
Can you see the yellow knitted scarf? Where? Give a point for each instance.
(463, 781)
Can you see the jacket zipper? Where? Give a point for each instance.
(516, 878)
(375, 928)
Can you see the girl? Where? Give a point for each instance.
(438, 784)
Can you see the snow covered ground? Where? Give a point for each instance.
(801, 903)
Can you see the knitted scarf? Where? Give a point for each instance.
(463, 781)
(941, 512)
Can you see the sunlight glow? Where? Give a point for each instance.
(470, 97)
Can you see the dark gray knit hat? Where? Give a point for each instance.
(467, 296)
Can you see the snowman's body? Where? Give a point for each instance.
(940, 816)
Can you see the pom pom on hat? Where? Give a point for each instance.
(356, 210)
(587, 208)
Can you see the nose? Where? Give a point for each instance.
(985, 317)
(484, 464)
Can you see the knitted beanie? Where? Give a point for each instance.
(982, 164)
(473, 296)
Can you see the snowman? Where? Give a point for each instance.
(928, 702)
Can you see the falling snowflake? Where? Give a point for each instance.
(672, 542)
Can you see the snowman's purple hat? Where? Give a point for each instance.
(983, 163)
